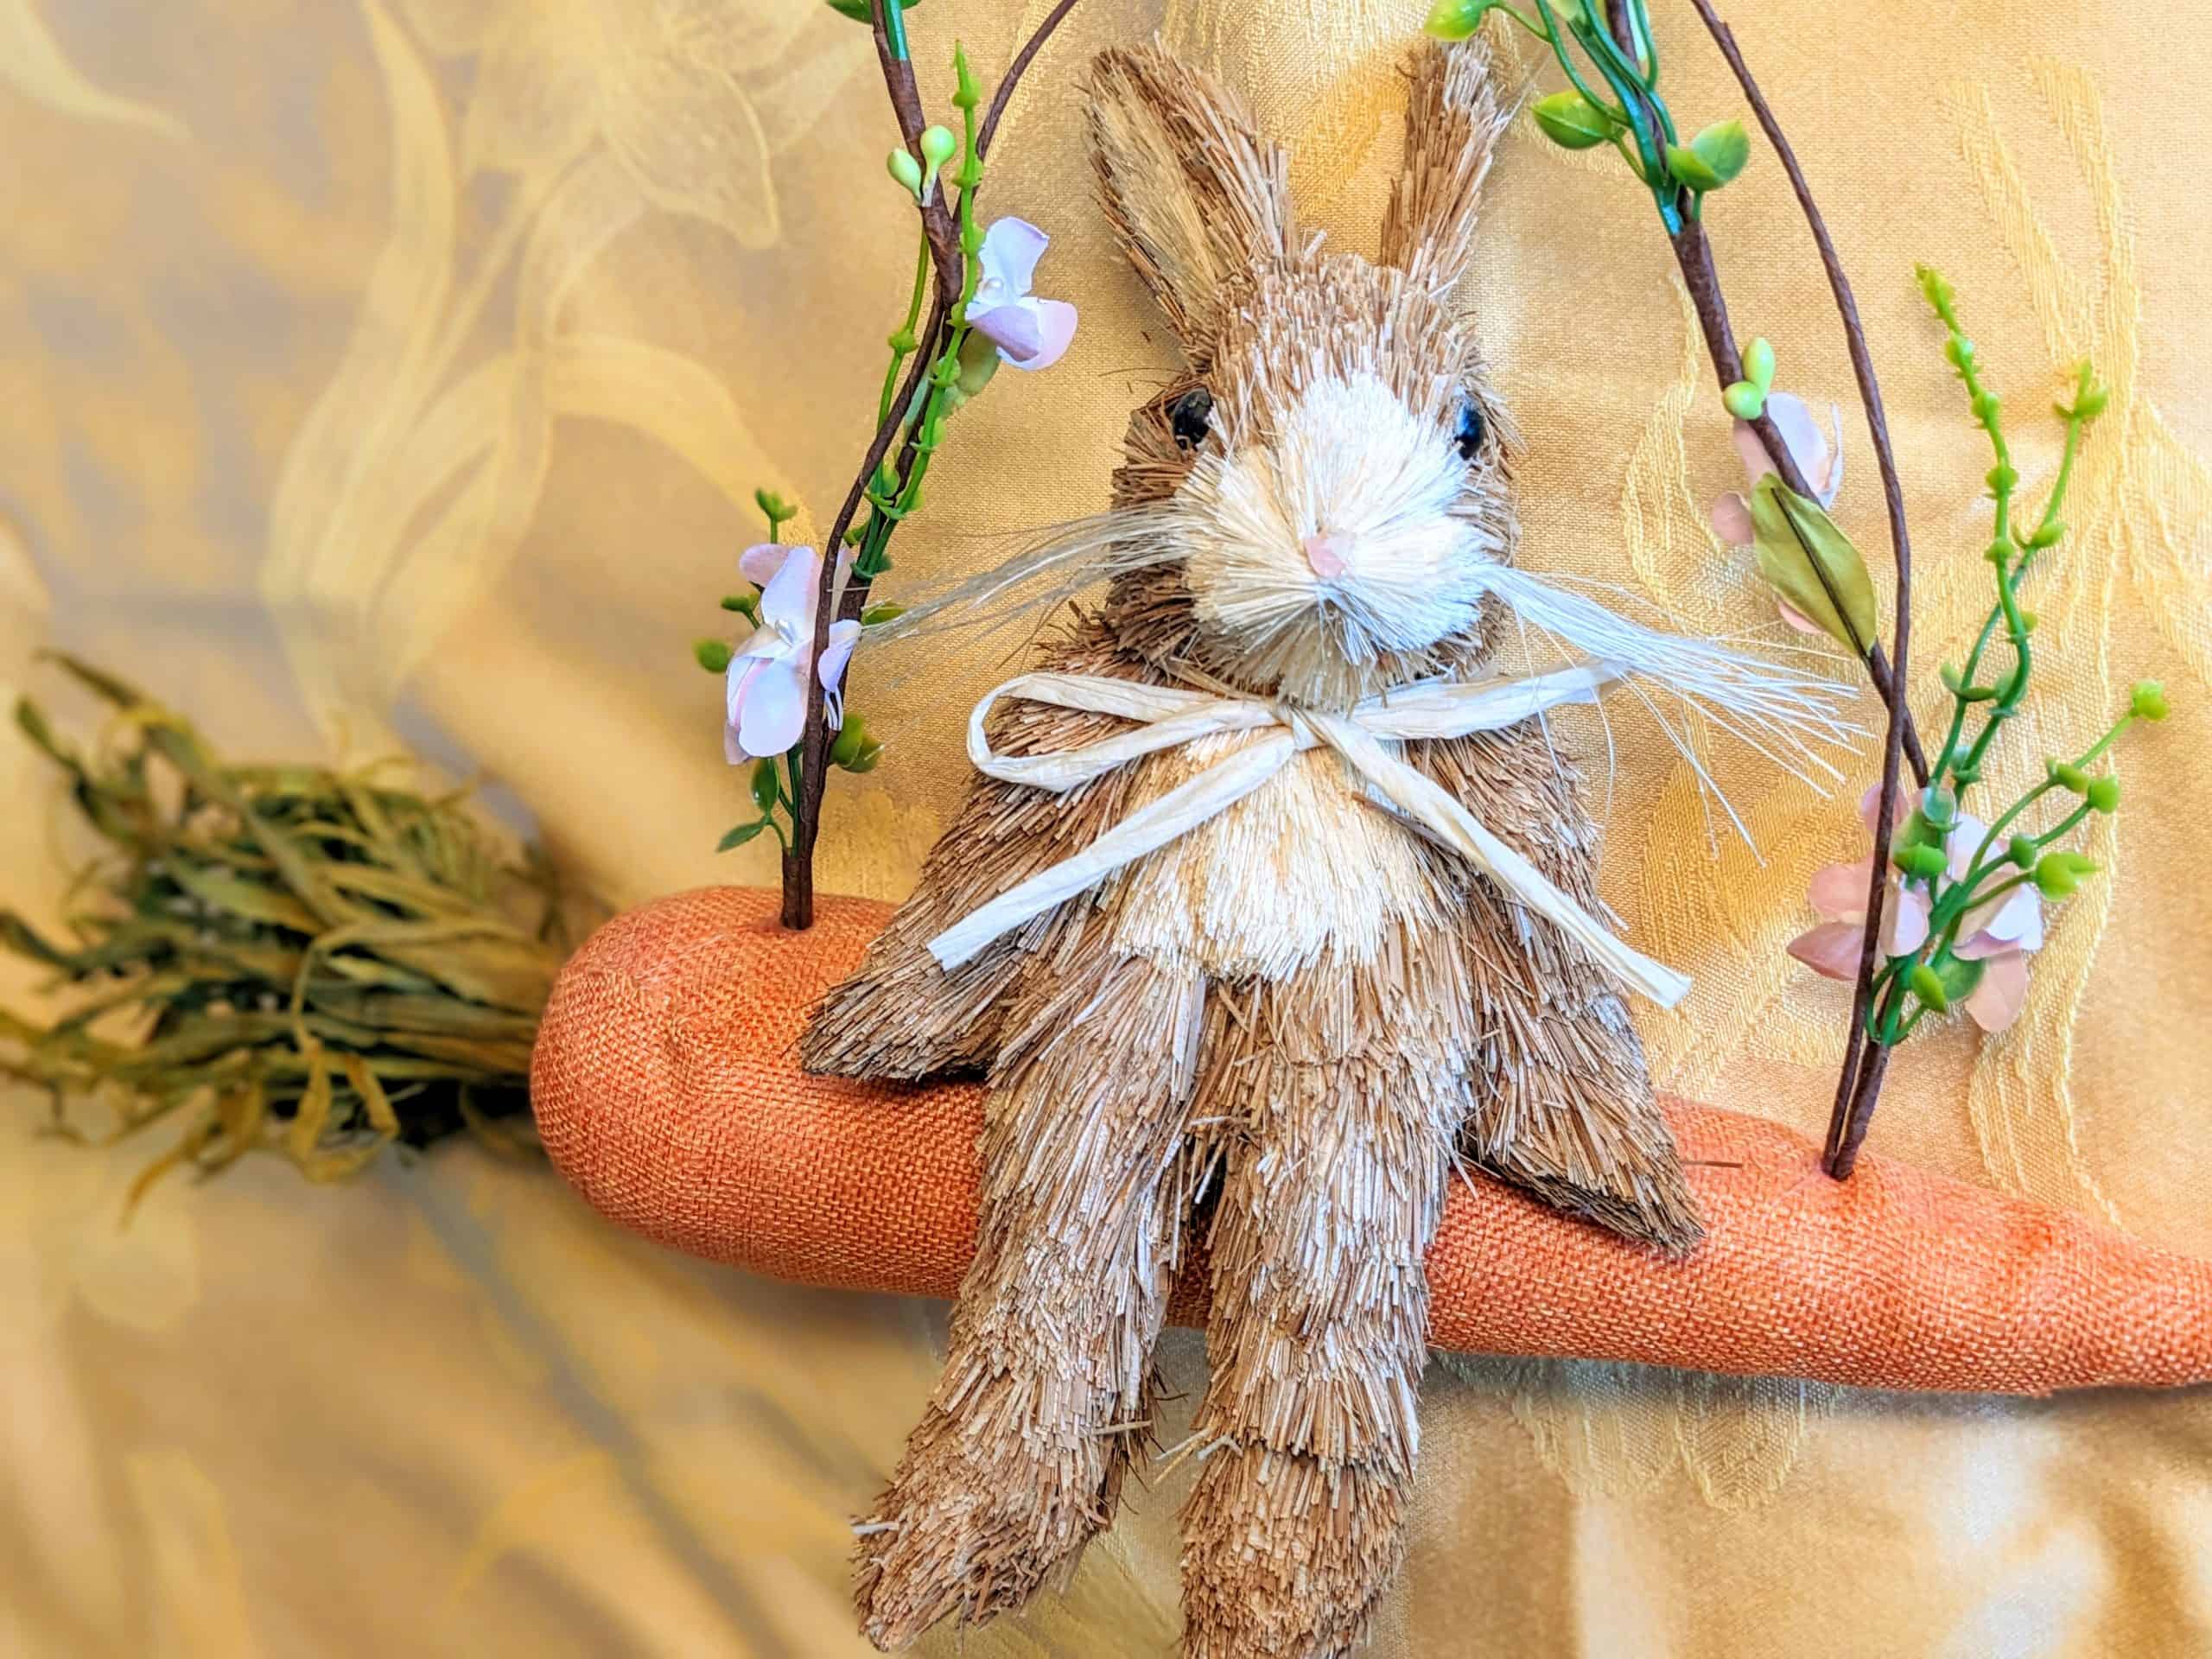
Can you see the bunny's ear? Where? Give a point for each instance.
(1197, 197)
(1454, 118)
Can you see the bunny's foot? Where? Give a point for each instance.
(972, 1526)
(1317, 1337)
(1019, 1458)
(1284, 1557)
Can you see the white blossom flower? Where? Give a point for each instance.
(767, 676)
(1999, 933)
(1030, 332)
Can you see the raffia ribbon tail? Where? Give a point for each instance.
(1435, 809)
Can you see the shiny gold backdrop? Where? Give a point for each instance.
(399, 370)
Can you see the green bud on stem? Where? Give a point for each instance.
(902, 167)
(1926, 861)
(1927, 985)
(938, 147)
(1744, 400)
(1758, 363)
(2057, 874)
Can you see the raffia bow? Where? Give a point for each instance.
(1170, 716)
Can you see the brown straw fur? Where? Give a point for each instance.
(1301, 1007)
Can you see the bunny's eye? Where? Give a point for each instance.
(1191, 416)
(1467, 436)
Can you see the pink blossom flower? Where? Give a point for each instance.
(1819, 456)
(1030, 332)
(767, 676)
(1999, 933)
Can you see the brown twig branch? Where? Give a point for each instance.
(906, 103)
(946, 271)
(995, 112)
(1864, 1061)
(1694, 257)
(1845, 1134)
(814, 754)
(1862, 1070)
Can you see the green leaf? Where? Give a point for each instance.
(1797, 542)
(882, 611)
(1712, 158)
(764, 785)
(1960, 978)
(1451, 20)
(739, 836)
(1721, 148)
(1689, 169)
(851, 738)
(1571, 121)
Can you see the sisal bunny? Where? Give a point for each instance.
(1276, 1030)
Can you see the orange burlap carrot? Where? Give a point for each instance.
(667, 1091)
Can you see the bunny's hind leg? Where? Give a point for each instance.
(1020, 1457)
(1317, 1337)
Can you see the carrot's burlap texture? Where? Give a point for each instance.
(667, 1091)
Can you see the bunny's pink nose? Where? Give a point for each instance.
(1326, 554)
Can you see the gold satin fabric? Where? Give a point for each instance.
(401, 369)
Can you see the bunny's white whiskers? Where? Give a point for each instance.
(1058, 565)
